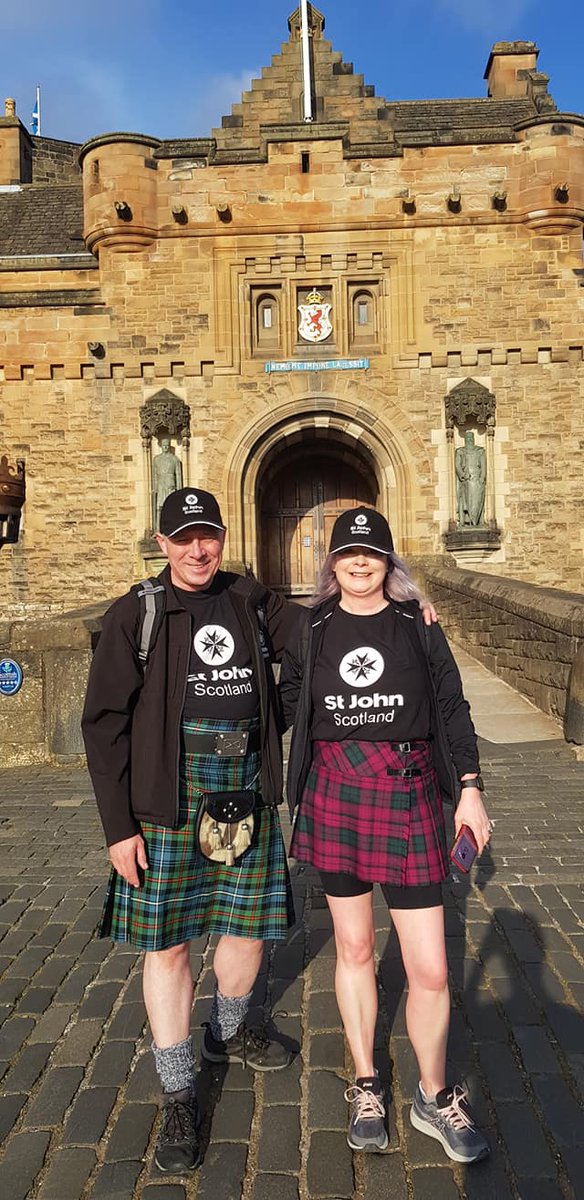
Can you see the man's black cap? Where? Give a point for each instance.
(189, 506)
(361, 527)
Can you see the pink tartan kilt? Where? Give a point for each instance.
(354, 817)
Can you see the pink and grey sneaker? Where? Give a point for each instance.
(367, 1125)
(449, 1119)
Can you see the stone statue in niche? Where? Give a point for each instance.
(471, 474)
(166, 477)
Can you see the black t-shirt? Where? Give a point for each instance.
(221, 681)
(368, 683)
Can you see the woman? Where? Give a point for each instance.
(381, 731)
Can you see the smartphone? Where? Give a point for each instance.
(465, 849)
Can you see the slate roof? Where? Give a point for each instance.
(43, 219)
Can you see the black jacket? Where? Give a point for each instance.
(131, 720)
(454, 744)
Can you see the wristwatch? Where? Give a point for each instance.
(477, 782)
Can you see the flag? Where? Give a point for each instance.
(35, 124)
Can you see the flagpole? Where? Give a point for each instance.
(38, 100)
(308, 114)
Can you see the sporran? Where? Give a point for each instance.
(225, 825)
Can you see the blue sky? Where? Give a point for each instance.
(172, 68)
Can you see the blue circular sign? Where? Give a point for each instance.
(10, 677)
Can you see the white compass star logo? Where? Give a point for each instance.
(214, 644)
(362, 666)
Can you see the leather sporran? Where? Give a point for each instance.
(225, 825)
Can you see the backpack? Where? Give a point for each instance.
(152, 597)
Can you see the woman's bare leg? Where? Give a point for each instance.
(355, 983)
(422, 941)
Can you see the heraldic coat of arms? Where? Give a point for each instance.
(315, 323)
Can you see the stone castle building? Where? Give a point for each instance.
(307, 314)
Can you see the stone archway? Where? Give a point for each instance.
(387, 456)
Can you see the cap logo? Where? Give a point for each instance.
(361, 519)
(191, 498)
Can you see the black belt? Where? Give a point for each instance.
(406, 747)
(224, 745)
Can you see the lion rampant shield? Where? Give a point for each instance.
(315, 323)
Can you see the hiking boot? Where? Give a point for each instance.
(177, 1148)
(449, 1119)
(367, 1129)
(252, 1047)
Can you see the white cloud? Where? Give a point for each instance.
(214, 98)
(486, 16)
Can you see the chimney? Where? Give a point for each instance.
(508, 69)
(15, 148)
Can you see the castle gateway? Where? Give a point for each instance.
(333, 299)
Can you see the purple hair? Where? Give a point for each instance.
(397, 585)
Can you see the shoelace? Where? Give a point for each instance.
(178, 1123)
(258, 1038)
(367, 1103)
(454, 1113)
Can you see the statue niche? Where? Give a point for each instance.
(166, 418)
(470, 410)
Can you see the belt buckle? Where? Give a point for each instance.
(232, 745)
(405, 747)
(408, 772)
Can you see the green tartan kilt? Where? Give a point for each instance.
(184, 894)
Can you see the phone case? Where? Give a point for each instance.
(464, 850)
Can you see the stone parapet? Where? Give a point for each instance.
(41, 723)
(527, 635)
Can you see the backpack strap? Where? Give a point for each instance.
(152, 597)
(249, 586)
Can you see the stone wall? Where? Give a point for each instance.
(41, 723)
(461, 289)
(528, 636)
(55, 161)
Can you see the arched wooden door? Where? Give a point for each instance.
(298, 510)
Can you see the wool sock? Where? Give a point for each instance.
(175, 1066)
(227, 1013)
(425, 1098)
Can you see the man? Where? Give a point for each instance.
(202, 716)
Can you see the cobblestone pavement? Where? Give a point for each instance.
(78, 1111)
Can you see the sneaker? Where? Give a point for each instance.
(367, 1129)
(449, 1119)
(252, 1047)
(177, 1148)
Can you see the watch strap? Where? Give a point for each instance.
(477, 783)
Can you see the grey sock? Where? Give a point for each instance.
(227, 1013)
(175, 1066)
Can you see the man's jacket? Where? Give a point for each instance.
(132, 717)
(454, 744)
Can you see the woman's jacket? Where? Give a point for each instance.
(454, 743)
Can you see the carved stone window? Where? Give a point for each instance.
(266, 323)
(363, 316)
